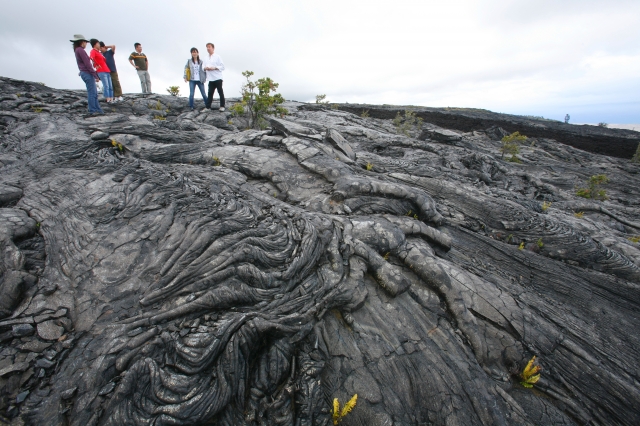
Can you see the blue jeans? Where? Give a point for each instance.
(192, 89)
(107, 85)
(92, 92)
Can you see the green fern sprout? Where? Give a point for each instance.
(530, 374)
(339, 414)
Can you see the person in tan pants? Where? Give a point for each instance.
(108, 52)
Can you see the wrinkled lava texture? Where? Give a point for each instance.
(161, 266)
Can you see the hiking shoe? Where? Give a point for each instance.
(221, 109)
(204, 109)
(120, 99)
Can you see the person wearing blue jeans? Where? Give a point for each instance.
(195, 75)
(87, 73)
(92, 93)
(104, 73)
(107, 85)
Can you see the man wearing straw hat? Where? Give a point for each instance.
(87, 73)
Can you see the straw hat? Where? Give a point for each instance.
(78, 37)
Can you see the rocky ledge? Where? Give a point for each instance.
(160, 266)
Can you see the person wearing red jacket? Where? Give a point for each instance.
(102, 69)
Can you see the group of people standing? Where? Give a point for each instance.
(100, 65)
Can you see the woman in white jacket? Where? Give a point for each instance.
(195, 75)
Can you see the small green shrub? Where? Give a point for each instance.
(369, 166)
(36, 109)
(216, 161)
(365, 113)
(159, 117)
(593, 189)
(521, 246)
(540, 243)
(635, 239)
(603, 124)
(321, 99)
(258, 101)
(174, 90)
(407, 123)
(510, 145)
(545, 205)
(579, 215)
(636, 156)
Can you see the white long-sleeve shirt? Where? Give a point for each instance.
(211, 61)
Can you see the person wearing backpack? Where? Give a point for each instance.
(194, 73)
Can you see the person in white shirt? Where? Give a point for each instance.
(213, 66)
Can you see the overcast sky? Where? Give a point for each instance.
(541, 57)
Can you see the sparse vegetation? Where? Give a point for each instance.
(159, 117)
(603, 124)
(521, 246)
(546, 205)
(216, 161)
(635, 239)
(407, 123)
(369, 166)
(339, 414)
(540, 243)
(174, 90)
(636, 156)
(386, 255)
(593, 189)
(258, 101)
(365, 113)
(117, 145)
(412, 214)
(157, 106)
(510, 145)
(579, 215)
(335, 106)
(321, 99)
(36, 109)
(530, 374)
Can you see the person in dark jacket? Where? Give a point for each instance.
(194, 73)
(87, 73)
(109, 52)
